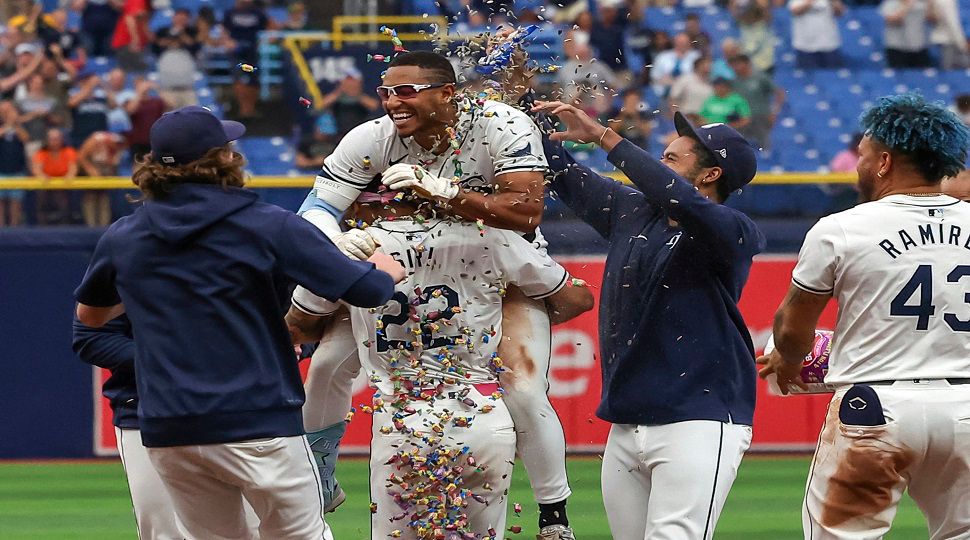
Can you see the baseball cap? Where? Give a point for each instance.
(184, 135)
(28, 48)
(733, 153)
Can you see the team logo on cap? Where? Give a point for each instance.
(723, 152)
(168, 159)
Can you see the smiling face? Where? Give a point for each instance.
(427, 112)
(681, 156)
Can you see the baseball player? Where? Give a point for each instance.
(897, 266)
(443, 440)
(676, 356)
(112, 347)
(199, 269)
(428, 138)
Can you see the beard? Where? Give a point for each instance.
(866, 186)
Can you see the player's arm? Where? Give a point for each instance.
(813, 283)
(569, 302)
(597, 200)
(305, 327)
(109, 346)
(97, 296)
(516, 204)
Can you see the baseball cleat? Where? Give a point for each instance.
(555, 532)
(333, 498)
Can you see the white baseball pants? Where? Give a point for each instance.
(491, 439)
(525, 349)
(209, 485)
(155, 516)
(859, 473)
(670, 482)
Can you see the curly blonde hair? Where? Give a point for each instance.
(220, 165)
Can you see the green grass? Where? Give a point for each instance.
(90, 501)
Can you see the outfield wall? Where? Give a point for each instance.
(51, 404)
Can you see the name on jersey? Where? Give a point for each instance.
(929, 234)
(413, 258)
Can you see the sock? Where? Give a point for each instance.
(325, 443)
(553, 514)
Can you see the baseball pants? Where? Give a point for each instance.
(525, 350)
(210, 484)
(920, 442)
(155, 516)
(670, 482)
(491, 440)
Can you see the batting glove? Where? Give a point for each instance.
(356, 244)
(425, 184)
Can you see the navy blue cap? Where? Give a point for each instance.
(184, 135)
(733, 153)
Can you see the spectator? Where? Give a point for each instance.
(143, 107)
(583, 80)
(726, 106)
(608, 34)
(296, 17)
(846, 160)
(60, 41)
(179, 35)
(98, 21)
(176, 66)
(54, 160)
(699, 39)
(631, 120)
(116, 87)
(639, 41)
(961, 106)
(35, 107)
(815, 34)
(89, 105)
(99, 156)
(672, 63)
(753, 18)
(13, 163)
(243, 23)
(949, 35)
(131, 36)
(691, 90)
(763, 96)
(27, 59)
(730, 49)
(314, 147)
(904, 34)
(350, 105)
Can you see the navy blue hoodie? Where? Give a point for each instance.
(200, 272)
(112, 347)
(673, 345)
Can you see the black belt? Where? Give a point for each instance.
(951, 380)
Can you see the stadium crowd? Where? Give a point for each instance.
(63, 119)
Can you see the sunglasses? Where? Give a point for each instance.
(405, 91)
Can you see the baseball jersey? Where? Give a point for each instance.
(447, 313)
(899, 268)
(495, 138)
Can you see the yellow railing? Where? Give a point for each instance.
(306, 181)
(339, 36)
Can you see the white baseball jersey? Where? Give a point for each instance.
(495, 139)
(445, 318)
(899, 268)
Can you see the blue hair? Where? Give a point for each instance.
(934, 138)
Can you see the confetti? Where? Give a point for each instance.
(305, 102)
(515, 529)
(248, 68)
(517, 508)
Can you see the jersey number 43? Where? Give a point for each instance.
(922, 281)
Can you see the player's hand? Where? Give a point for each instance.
(387, 264)
(403, 176)
(356, 244)
(788, 373)
(579, 126)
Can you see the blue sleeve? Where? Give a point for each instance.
(110, 347)
(728, 234)
(312, 202)
(597, 200)
(309, 258)
(97, 289)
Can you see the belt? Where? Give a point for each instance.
(951, 380)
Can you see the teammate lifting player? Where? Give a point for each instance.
(429, 137)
